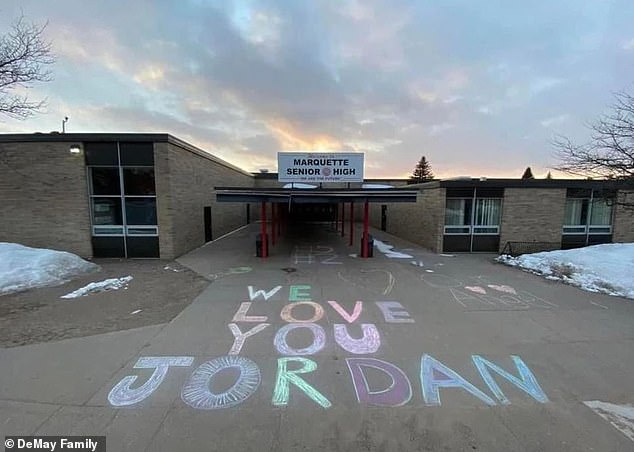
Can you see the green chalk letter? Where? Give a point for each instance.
(285, 377)
(299, 293)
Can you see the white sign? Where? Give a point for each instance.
(319, 167)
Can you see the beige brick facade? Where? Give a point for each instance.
(421, 222)
(185, 180)
(532, 214)
(624, 220)
(43, 197)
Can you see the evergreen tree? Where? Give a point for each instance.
(549, 176)
(528, 174)
(422, 172)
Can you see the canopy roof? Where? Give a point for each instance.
(314, 195)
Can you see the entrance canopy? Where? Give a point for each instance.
(314, 195)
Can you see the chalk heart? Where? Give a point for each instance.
(503, 288)
(476, 289)
(375, 281)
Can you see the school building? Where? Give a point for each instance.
(154, 195)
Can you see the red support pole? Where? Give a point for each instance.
(263, 230)
(351, 223)
(366, 218)
(343, 216)
(273, 224)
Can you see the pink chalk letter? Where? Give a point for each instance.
(358, 306)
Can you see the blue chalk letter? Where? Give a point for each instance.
(434, 375)
(527, 383)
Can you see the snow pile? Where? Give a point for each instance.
(23, 268)
(377, 186)
(620, 416)
(100, 286)
(389, 251)
(605, 268)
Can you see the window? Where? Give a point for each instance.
(600, 217)
(587, 216)
(140, 211)
(487, 216)
(139, 181)
(105, 181)
(123, 199)
(601, 213)
(106, 211)
(106, 216)
(458, 216)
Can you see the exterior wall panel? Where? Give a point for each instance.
(44, 197)
(532, 214)
(191, 179)
(420, 222)
(624, 220)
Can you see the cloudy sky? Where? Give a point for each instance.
(479, 87)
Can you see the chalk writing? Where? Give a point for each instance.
(299, 293)
(241, 314)
(287, 312)
(476, 289)
(286, 377)
(367, 373)
(397, 394)
(319, 339)
(502, 288)
(358, 306)
(197, 393)
(253, 294)
(527, 381)
(309, 254)
(435, 375)
(440, 281)
(240, 337)
(394, 312)
(369, 343)
(230, 271)
(123, 395)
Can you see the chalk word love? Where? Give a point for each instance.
(434, 375)
(369, 342)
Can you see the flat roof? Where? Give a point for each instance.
(521, 183)
(56, 137)
(314, 195)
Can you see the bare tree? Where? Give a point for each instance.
(25, 56)
(609, 154)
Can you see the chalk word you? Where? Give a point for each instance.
(302, 316)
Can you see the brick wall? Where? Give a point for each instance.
(421, 222)
(624, 220)
(185, 185)
(532, 214)
(44, 198)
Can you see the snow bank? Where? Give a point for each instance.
(377, 186)
(620, 416)
(388, 250)
(605, 268)
(23, 268)
(100, 286)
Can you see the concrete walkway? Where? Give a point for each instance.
(430, 352)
